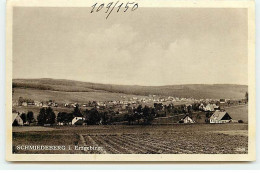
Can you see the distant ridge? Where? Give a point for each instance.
(198, 91)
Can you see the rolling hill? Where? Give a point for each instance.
(69, 90)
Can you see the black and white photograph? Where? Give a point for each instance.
(157, 81)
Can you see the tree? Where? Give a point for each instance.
(68, 118)
(130, 118)
(30, 117)
(183, 111)
(50, 116)
(46, 116)
(111, 114)
(93, 117)
(77, 112)
(189, 109)
(61, 117)
(24, 117)
(153, 113)
(137, 116)
(64, 117)
(147, 115)
(158, 106)
(169, 108)
(41, 117)
(105, 118)
(139, 109)
(246, 96)
(196, 106)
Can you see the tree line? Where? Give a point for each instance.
(142, 115)
(139, 115)
(27, 118)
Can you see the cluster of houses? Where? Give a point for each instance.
(216, 107)
(218, 117)
(217, 114)
(209, 107)
(29, 102)
(206, 104)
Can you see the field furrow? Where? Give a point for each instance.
(154, 147)
(135, 145)
(101, 141)
(93, 143)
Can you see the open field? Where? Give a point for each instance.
(238, 112)
(68, 97)
(166, 139)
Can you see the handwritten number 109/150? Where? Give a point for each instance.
(111, 6)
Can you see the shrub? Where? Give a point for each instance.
(240, 121)
(181, 121)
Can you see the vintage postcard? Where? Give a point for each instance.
(142, 80)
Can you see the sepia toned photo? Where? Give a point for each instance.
(130, 81)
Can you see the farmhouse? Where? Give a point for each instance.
(209, 107)
(222, 101)
(202, 107)
(78, 121)
(220, 117)
(37, 103)
(30, 103)
(216, 107)
(182, 119)
(17, 120)
(187, 119)
(24, 103)
(173, 119)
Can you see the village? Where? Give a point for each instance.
(151, 109)
(167, 81)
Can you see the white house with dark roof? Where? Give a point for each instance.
(78, 121)
(187, 119)
(220, 117)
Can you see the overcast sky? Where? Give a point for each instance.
(149, 46)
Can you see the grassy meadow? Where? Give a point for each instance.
(238, 112)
